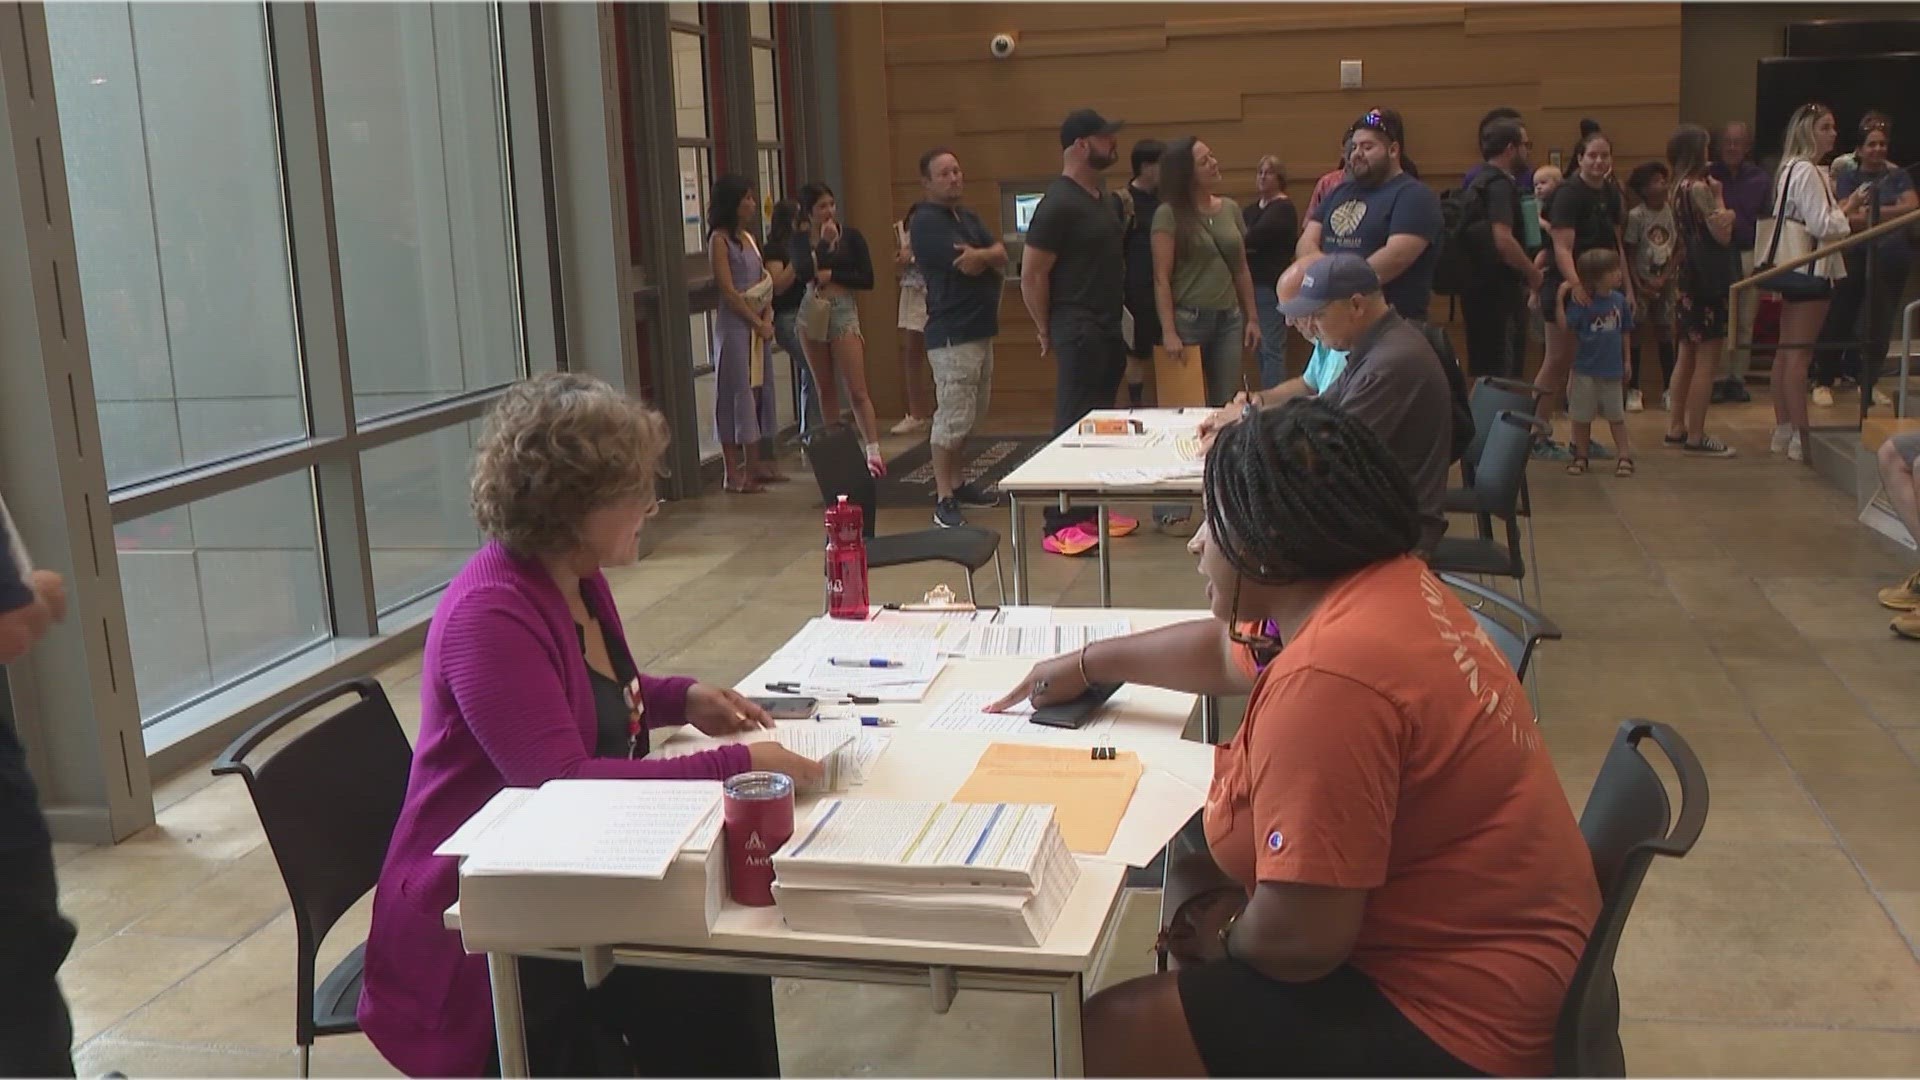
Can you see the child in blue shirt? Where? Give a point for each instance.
(1597, 313)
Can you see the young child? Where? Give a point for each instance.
(1600, 367)
(1650, 241)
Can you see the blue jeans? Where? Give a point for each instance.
(1219, 333)
(1273, 337)
(786, 334)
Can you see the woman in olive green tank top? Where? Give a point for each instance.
(1200, 280)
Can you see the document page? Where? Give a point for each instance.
(602, 828)
(1089, 796)
(963, 712)
(1038, 642)
(924, 835)
(498, 809)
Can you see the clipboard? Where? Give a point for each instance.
(1179, 381)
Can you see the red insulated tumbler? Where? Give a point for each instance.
(758, 810)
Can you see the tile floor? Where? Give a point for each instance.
(1733, 599)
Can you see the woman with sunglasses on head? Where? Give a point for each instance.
(1394, 884)
(1706, 264)
(1202, 288)
(1587, 211)
(1855, 298)
(1803, 199)
(527, 678)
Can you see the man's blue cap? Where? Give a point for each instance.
(1331, 277)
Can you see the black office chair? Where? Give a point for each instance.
(1497, 480)
(840, 468)
(328, 801)
(1626, 824)
(1491, 396)
(1513, 626)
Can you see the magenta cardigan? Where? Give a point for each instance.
(505, 701)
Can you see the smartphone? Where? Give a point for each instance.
(787, 708)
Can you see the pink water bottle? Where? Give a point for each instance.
(846, 561)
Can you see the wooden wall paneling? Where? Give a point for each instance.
(1250, 80)
(867, 203)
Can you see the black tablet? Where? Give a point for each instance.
(1076, 713)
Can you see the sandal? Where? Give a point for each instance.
(1577, 467)
(1623, 467)
(1675, 441)
(771, 474)
(749, 486)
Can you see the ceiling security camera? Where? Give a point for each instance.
(1002, 46)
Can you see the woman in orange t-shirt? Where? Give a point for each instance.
(1394, 883)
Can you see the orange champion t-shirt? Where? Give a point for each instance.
(1388, 747)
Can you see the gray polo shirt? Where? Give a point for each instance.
(1393, 383)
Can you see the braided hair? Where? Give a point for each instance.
(1306, 492)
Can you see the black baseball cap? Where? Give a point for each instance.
(1085, 123)
(1340, 276)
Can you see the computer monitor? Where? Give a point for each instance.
(1024, 205)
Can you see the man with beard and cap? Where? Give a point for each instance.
(1073, 280)
(1383, 214)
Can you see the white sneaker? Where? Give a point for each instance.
(1882, 398)
(1796, 452)
(1634, 402)
(1782, 434)
(909, 425)
(1823, 396)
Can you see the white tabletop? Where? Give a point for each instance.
(1066, 465)
(922, 764)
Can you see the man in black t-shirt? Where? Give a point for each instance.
(1490, 304)
(1139, 199)
(1073, 276)
(36, 1032)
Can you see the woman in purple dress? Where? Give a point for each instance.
(743, 411)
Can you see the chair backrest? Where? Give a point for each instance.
(839, 466)
(1490, 398)
(1625, 824)
(1502, 466)
(1498, 613)
(328, 801)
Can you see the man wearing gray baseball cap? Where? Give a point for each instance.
(1393, 382)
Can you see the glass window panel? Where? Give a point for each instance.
(760, 20)
(773, 184)
(689, 85)
(686, 13)
(696, 165)
(420, 199)
(766, 95)
(173, 175)
(220, 589)
(419, 518)
(700, 327)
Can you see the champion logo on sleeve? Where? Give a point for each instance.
(1275, 841)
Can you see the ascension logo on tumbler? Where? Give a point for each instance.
(756, 850)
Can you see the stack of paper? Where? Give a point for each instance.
(891, 666)
(844, 750)
(1151, 475)
(1023, 638)
(576, 861)
(984, 874)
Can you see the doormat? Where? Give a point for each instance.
(909, 479)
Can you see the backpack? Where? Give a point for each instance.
(1456, 390)
(1466, 237)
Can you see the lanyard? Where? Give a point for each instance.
(636, 708)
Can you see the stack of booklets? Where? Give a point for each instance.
(977, 874)
(576, 862)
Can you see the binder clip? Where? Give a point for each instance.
(939, 598)
(1106, 752)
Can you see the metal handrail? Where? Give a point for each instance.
(1852, 240)
(1906, 355)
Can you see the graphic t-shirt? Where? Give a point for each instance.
(1651, 237)
(1601, 328)
(1360, 218)
(1388, 747)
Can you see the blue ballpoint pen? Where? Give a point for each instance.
(865, 721)
(875, 662)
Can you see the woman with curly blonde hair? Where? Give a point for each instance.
(527, 678)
